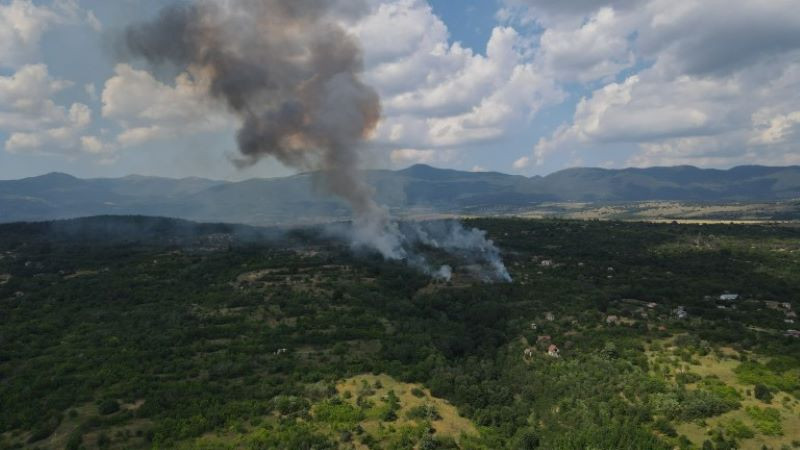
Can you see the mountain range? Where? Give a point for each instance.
(419, 189)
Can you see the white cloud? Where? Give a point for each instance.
(93, 145)
(775, 128)
(93, 21)
(148, 109)
(596, 49)
(22, 24)
(440, 95)
(719, 87)
(407, 156)
(33, 121)
(521, 163)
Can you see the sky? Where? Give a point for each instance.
(518, 86)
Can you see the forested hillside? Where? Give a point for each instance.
(605, 339)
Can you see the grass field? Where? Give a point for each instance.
(451, 424)
(721, 365)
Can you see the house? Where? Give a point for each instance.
(652, 305)
(680, 313)
(533, 326)
(792, 333)
(528, 352)
(791, 315)
(786, 305)
(549, 317)
(547, 263)
(281, 351)
(729, 297)
(773, 305)
(553, 351)
(612, 320)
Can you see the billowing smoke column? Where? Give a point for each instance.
(292, 74)
(470, 245)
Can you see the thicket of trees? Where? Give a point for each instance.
(170, 341)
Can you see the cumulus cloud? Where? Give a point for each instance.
(596, 49)
(718, 84)
(148, 109)
(438, 94)
(33, 121)
(22, 24)
(711, 82)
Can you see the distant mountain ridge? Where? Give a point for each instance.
(416, 189)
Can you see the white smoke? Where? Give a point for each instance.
(293, 76)
(409, 240)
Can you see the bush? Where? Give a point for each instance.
(107, 407)
(763, 393)
(389, 415)
(527, 440)
(103, 441)
(766, 420)
(687, 378)
(664, 427)
(423, 412)
(755, 373)
(75, 441)
(45, 429)
(735, 428)
(691, 405)
(338, 413)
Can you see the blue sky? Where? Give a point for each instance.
(520, 86)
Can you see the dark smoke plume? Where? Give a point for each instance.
(292, 74)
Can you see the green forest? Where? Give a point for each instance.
(132, 332)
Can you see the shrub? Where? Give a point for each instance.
(737, 429)
(763, 393)
(107, 407)
(766, 420)
(423, 412)
(663, 426)
(389, 415)
(338, 413)
(75, 441)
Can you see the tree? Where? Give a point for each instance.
(527, 440)
(763, 393)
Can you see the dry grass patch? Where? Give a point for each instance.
(449, 424)
(723, 369)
